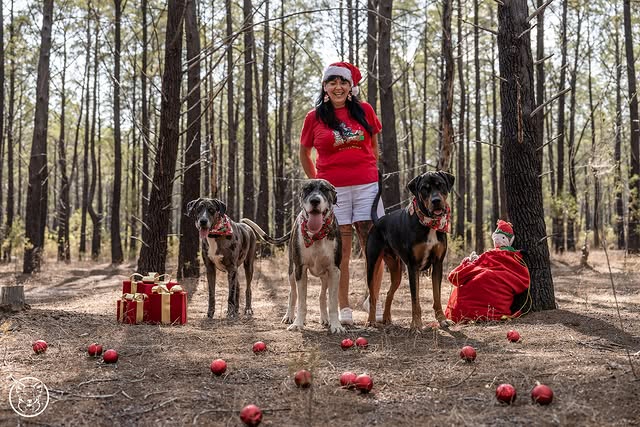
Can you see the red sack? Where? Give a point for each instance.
(485, 287)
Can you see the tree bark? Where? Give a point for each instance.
(146, 127)
(389, 143)
(446, 90)
(232, 199)
(85, 158)
(6, 256)
(36, 214)
(633, 242)
(461, 182)
(617, 151)
(262, 214)
(153, 252)
(96, 217)
(117, 257)
(248, 190)
(372, 52)
(64, 211)
(519, 145)
(479, 190)
(188, 264)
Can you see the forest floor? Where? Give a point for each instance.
(163, 378)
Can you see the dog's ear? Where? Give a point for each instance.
(191, 206)
(222, 208)
(330, 190)
(413, 185)
(448, 179)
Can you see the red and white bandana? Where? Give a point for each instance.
(439, 223)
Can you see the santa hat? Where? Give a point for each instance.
(347, 71)
(505, 228)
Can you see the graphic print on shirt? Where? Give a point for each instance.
(348, 138)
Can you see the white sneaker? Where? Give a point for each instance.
(379, 308)
(345, 316)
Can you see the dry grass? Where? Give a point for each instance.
(163, 378)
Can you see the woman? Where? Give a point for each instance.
(344, 132)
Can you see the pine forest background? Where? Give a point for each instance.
(116, 114)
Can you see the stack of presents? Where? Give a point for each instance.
(152, 299)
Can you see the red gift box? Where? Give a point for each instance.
(138, 283)
(167, 305)
(131, 308)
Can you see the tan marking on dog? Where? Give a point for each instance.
(422, 250)
(213, 256)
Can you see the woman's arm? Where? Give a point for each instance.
(306, 162)
(374, 146)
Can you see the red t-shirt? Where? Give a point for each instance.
(346, 159)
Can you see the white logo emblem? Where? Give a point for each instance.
(28, 397)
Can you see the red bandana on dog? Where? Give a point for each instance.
(439, 223)
(222, 227)
(324, 230)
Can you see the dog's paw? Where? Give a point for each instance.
(446, 323)
(211, 313)
(416, 327)
(337, 329)
(295, 327)
(248, 311)
(372, 324)
(287, 318)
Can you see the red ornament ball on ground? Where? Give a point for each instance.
(40, 346)
(362, 342)
(346, 343)
(218, 367)
(259, 347)
(506, 393)
(513, 336)
(542, 394)
(110, 356)
(364, 383)
(348, 379)
(468, 353)
(251, 415)
(303, 378)
(94, 350)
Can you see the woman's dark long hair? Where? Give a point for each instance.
(327, 115)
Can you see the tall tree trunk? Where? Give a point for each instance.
(617, 156)
(495, 154)
(117, 257)
(64, 211)
(446, 90)
(280, 183)
(540, 75)
(633, 242)
(134, 199)
(188, 265)
(558, 204)
(389, 141)
(479, 190)
(572, 210)
(36, 214)
(350, 26)
(146, 127)
(262, 214)
(85, 159)
(96, 218)
(248, 191)
(372, 52)
(6, 256)
(425, 81)
(232, 199)
(461, 182)
(519, 145)
(595, 222)
(153, 251)
(2, 139)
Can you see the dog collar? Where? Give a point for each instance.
(439, 223)
(222, 227)
(324, 230)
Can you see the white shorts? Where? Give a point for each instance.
(354, 203)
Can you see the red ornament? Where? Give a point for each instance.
(542, 394)
(94, 350)
(303, 378)
(364, 383)
(110, 356)
(348, 379)
(346, 343)
(40, 346)
(506, 393)
(513, 336)
(251, 415)
(259, 347)
(362, 342)
(468, 353)
(218, 367)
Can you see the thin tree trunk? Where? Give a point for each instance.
(131, 243)
(350, 26)
(188, 264)
(479, 190)
(85, 159)
(495, 153)
(232, 199)
(617, 177)
(145, 112)
(64, 253)
(36, 214)
(446, 90)
(461, 182)
(372, 52)
(633, 242)
(117, 257)
(519, 145)
(153, 252)
(595, 222)
(248, 205)
(6, 256)
(2, 139)
(262, 214)
(425, 81)
(389, 143)
(280, 183)
(96, 218)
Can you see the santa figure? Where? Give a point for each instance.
(486, 284)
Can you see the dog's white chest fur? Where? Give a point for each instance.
(214, 256)
(319, 256)
(422, 251)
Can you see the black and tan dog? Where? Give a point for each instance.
(415, 236)
(315, 246)
(226, 245)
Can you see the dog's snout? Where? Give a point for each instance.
(203, 222)
(436, 199)
(315, 200)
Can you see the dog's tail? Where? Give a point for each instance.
(376, 200)
(263, 235)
